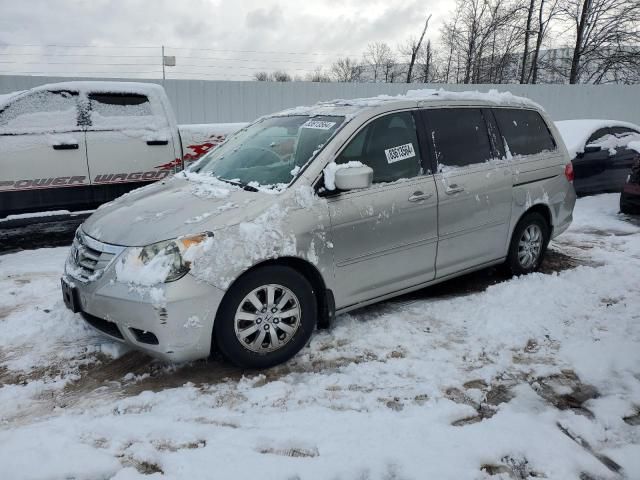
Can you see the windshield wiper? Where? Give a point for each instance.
(245, 186)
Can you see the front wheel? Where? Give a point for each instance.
(528, 244)
(267, 316)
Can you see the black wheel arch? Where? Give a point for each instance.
(543, 210)
(324, 296)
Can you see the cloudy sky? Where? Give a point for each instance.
(226, 39)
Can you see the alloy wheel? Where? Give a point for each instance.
(267, 318)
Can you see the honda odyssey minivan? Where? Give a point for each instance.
(316, 211)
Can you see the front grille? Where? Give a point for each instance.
(104, 326)
(88, 257)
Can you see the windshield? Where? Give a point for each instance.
(271, 151)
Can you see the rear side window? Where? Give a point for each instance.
(623, 131)
(389, 145)
(524, 131)
(44, 111)
(598, 135)
(119, 109)
(459, 136)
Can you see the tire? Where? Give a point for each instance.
(243, 332)
(624, 208)
(524, 240)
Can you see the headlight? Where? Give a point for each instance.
(158, 262)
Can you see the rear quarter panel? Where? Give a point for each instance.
(539, 179)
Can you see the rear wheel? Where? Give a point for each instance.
(266, 317)
(528, 244)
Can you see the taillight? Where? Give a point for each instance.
(568, 172)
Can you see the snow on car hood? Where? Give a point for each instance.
(171, 208)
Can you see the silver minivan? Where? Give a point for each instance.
(315, 211)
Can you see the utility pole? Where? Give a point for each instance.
(169, 61)
(163, 62)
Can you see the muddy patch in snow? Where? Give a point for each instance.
(39, 234)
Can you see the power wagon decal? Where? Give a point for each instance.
(162, 171)
(151, 176)
(28, 184)
(81, 180)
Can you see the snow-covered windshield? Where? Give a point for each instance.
(271, 151)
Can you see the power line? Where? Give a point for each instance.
(73, 46)
(117, 74)
(202, 65)
(265, 52)
(21, 54)
(218, 59)
(77, 63)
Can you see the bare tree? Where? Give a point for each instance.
(527, 34)
(347, 70)
(280, 76)
(606, 36)
(413, 48)
(318, 75)
(390, 70)
(427, 64)
(449, 35)
(377, 57)
(545, 16)
(262, 76)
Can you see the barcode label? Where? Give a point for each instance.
(318, 124)
(401, 152)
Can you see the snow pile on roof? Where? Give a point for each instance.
(575, 133)
(493, 97)
(84, 86)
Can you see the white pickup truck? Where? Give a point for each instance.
(76, 145)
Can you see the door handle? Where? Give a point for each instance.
(66, 146)
(157, 142)
(419, 196)
(453, 189)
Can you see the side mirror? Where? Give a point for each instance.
(354, 178)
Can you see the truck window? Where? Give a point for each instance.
(524, 131)
(39, 112)
(459, 136)
(120, 110)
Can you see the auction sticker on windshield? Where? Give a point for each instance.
(318, 124)
(401, 152)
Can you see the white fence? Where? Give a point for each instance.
(205, 101)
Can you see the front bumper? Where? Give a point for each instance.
(171, 321)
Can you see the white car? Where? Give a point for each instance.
(76, 145)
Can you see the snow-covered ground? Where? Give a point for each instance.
(530, 377)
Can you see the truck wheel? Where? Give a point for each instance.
(266, 317)
(528, 244)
